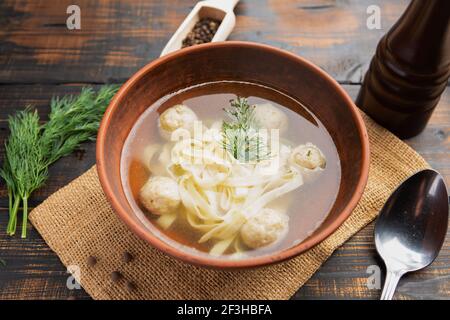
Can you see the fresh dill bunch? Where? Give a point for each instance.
(31, 147)
(74, 119)
(240, 136)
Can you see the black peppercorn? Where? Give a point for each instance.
(91, 261)
(131, 286)
(116, 276)
(127, 257)
(203, 32)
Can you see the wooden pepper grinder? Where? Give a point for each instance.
(410, 69)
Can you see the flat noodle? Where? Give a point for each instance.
(148, 154)
(228, 228)
(194, 202)
(166, 220)
(221, 246)
(293, 183)
(226, 200)
(249, 181)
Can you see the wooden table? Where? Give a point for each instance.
(40, 57)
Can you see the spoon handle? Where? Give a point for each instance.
(390, 283)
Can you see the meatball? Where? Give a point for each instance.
(307, 156)
(179, 116)
(160, 195)
(270, 117)
(264, 228)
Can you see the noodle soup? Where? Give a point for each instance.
(230, 169)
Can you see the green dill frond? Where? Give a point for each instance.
(23, 170)
(73, 120)
(241, 114)
(23, 153)
(240, 136)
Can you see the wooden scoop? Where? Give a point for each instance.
(221, 10)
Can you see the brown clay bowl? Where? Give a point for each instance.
(241, 61)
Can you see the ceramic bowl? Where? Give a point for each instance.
(239, 61)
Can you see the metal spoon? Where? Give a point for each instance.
(411, 228)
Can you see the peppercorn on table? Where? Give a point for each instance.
(40, 57)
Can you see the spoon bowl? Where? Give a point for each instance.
(412, 226)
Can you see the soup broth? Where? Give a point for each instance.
(149, 152)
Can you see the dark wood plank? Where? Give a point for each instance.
(33, 271)
(119, 37)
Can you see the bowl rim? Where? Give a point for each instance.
(204, 261)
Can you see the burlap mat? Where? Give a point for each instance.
(77, 221)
